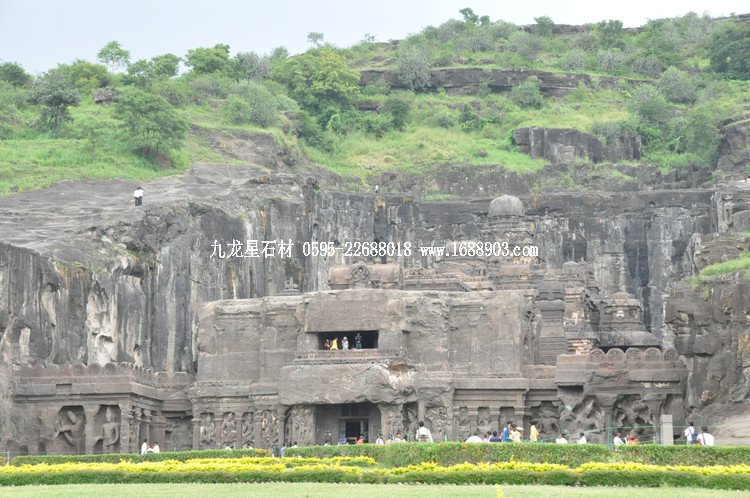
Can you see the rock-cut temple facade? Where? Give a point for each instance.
(465, 344)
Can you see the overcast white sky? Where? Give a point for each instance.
(39, 34)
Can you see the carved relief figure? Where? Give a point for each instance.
(437, 417)
(302, 419)
(392, 420)
(464, 428)
(269, 432)
(207, 431)
(228, 430)
(248, 430)
(70, 426)
(110, 435)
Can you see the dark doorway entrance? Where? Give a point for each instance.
(354, 429)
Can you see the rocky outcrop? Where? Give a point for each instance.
(734, 149)
(467, 81)
(566, 145)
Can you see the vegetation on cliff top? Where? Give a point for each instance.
(678, 79)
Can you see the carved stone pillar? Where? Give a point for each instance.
(135, 431)
(196, 430)
(238, 418)
(158, 430)
(146, 425)
(125, 421)
(90, 437)
(667, 430)
(473, 419)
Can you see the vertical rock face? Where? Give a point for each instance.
(99, 284)
(129, 289)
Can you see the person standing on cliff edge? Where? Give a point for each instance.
(138, 195)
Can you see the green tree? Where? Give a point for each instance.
(730, 50)
(55, 93)
(413, 68)
(14, 74)
(544, 26)
(140, 73)
(318, 79)
(250, 66)
(150, 123)
(610, 34)
(165, 66)
(113, 56)
(315, 38)
(86, 75)
(279, 53)
(469, 16)
(208, 60)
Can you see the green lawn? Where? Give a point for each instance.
(348, 490)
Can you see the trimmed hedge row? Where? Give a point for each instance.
(572, 455)
(697, 455)
(523, 473)
(180, 456)
(403, 454)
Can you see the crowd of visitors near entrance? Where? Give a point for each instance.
(343, 343)
(511, 433)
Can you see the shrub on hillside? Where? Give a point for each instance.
(650, 105)
(575, 59)
(413, 68)
(525, 44)
(211, 86)
(527, 94)
(253, 103)
(678, 86)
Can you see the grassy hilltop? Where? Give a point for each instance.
(378, 107)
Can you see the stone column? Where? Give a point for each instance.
(473, 419)
(667, 430)
(238, 427)
(495, 423)
(125, 423)
(135, 440)
(520, 415)
(158, 430)
(89, 429)
(146, 425)
(196, 431)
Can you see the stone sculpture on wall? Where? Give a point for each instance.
(110, 432)
(207, 431)
(69, 429)
(228, 430)
(437, 417)
(248, 430)
(269, 432)
(391, 419)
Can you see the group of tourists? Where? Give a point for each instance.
(511, 433)
(702, 438)
(343, 344)
(149, 448)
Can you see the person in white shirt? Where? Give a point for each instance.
(618, 440)
(155, 448)
(144, 447)
(582, 440)
(561, 439)
(138, 195)
(474, 438)
(690, 436)
(423, 434)
(705, 438)
(379, 440)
